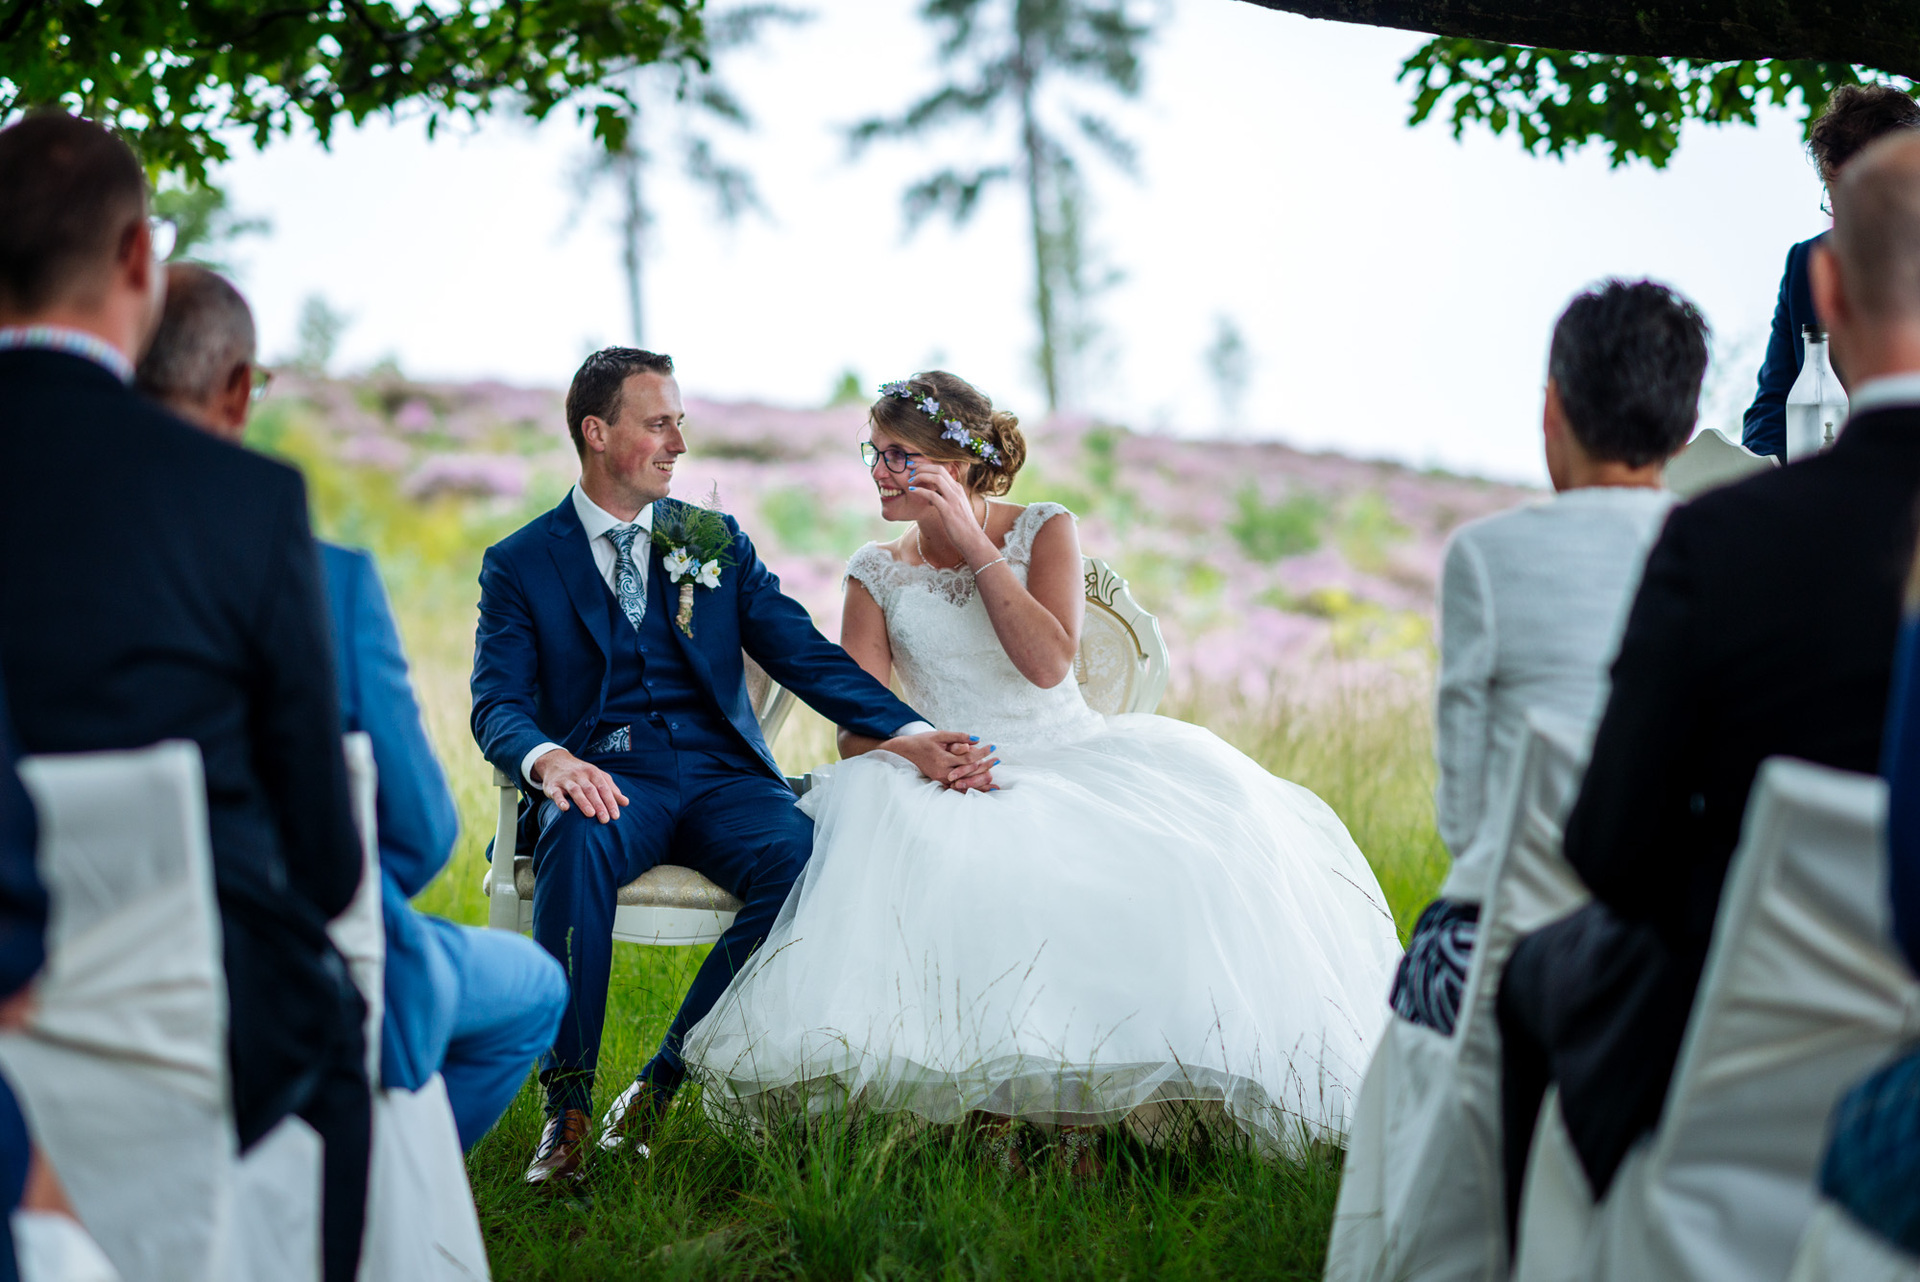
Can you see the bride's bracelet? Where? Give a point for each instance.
(979, 570)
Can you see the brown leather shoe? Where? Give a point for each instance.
(631, 1118)
(557, 1160)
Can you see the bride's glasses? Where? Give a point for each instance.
(895, 458)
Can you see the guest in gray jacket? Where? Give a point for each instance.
(1532, 601)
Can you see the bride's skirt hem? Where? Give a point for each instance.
(1156, 1102)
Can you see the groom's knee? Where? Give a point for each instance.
(578, 842)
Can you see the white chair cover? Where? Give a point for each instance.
(1421, 1193)
(1802, 996)
(421, 1223)
(122, 1074)
(1837, 1249)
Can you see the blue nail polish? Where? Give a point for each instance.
(973, 738)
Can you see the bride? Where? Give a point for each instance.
(1135, 915)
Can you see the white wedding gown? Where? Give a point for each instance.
(1140, 915)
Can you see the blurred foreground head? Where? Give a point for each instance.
(1866, 275)
(1623, 384)
(200, 364)
(75, 247)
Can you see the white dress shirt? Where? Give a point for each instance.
(596, 521)
(74, 342)
(1532, 605)
(1878, 393)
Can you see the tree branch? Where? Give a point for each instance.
(1880, 34)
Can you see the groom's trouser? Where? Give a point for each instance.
(732, 822)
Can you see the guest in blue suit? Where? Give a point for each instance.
(473, 1005)
(1855, 116)
(23, 923)
(620, 702)
(1872, 1166)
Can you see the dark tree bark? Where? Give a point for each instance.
(1881, 34)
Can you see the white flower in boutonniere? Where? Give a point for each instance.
(695, 546)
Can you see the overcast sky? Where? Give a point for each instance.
(1395, 288)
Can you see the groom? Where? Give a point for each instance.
(628, 723)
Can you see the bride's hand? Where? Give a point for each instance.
(955, 508)
(949, 757)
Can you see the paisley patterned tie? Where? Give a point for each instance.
(626, 576)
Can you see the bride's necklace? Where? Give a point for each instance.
(920, 549)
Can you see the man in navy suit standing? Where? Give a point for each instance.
(627, 720)
(1855, 117)
(472, 1005)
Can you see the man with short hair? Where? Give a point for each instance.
(472, 1005)
(1855, 117)
(1764, 626)
(1532, 601)
(200, 363)
(158, 584)
(620, 703)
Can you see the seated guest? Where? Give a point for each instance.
(1764, 626)
(1532, 601)
(475, 1006)
(1872, 1166)
(1855, 116)
(23, 924)
(158, 584)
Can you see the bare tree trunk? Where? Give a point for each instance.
(1882, 34)
(1031, 144)
(633, 227)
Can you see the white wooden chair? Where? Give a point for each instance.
(122, 1073)
(1420, 1196)
(421, 1224)
(1835, 1248)
(1709, 461)
(1802, 995)
(1122, 666)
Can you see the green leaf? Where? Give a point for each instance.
(183, 79)
(1560, 100)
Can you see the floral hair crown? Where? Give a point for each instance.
(950, 429)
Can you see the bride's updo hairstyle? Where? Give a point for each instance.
(990, 471)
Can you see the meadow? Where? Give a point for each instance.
(1295, 591)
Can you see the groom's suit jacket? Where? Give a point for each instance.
(543, 655)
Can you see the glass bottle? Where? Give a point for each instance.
(1817, 405)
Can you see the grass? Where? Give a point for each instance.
(882, 1199)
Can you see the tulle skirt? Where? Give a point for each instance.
(1135, 920)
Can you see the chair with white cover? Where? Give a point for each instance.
(122, 1072)
(1122, 666)
(1420, 1195)
(1802, 995)
(421, 1222)
(1709, 461)
(1837, 1248)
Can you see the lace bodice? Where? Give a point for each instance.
(951, 664)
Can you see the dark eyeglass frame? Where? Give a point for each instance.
(869, 452)
(262, 380)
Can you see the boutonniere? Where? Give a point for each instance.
(696, 546)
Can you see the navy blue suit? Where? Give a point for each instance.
(669, 717)
(1764, 430)
(475, 1006)
(23, 923)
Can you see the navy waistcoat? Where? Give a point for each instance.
(655, 690)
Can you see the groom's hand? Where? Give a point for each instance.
(569, 781)
(949, 757)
